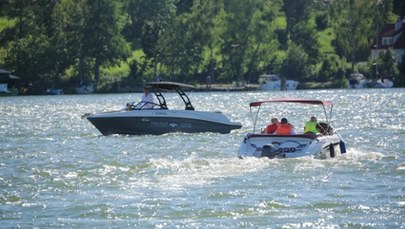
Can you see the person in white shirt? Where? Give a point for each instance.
(146, 101)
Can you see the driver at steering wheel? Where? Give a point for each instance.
(146, 100)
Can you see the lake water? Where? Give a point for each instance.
(57, 170)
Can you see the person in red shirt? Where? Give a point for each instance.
(271, 128)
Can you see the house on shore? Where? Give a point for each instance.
(391, 36)
(8, 83)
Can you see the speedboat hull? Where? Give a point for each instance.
(157, 122)
(290, 146)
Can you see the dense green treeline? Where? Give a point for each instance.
(60, 42)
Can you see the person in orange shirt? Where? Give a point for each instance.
(271, 128)
(285, 128)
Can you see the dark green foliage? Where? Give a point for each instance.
(296, 11)
(304, 35)
(400, 79)
(387, 64)
(321, 21)
(187, 40)
(102, 40)
(332, 68)
(296, 65)
(399, 8)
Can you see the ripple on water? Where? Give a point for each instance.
(58, 170)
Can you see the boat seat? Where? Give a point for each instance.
(325, 129)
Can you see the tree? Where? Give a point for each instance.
(186, 40)
(102, 40)
(332, 68)
(295, 66)
(25, 58)
(296, 11)
(148, 20)
(174, 56)
(355, 23)
(264, 40)
(321, 21)
(69, 19)
(400, 80)
(249, 40)
(32, 53)
(399, 8)
(237, 40)
(387, 64)
(305, 35)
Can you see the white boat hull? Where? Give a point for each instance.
(323, 144)
(290, 146)
(358, 84)
(276, 85)
(84, 90)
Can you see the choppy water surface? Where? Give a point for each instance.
(57, 170)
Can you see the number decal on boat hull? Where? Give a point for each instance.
(288, 146)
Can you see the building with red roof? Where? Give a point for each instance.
(391, 36)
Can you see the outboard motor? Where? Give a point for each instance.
(269, 151)
(342, 146)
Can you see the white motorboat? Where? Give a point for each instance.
(4, 91)
(7, 83)
(85, 87)
(271, 82)
(158, 119)
(328, 143)
(357, 80)
(53, 91)
(382, 83)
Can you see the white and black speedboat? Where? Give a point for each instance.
(158, 119)
(327, 143)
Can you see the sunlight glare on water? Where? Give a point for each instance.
(57, 170)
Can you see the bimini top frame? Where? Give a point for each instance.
(170, 86)
(323, 103)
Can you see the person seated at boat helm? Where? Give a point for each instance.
(312, 126)
(285, 128)
(146, 100)
(271, 128)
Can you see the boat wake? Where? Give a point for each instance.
(361, 155)
(196, 172)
